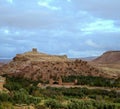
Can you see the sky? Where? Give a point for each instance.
(77, 28)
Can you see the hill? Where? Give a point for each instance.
(1, 64)
(36, 66)
(110, 57)
(89, 58)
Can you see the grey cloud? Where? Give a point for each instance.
(28, 20)
(105, 9)
(57, 32)
(37, 18)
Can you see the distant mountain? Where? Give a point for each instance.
(109, 57)
(5, 60)
(89, 58)
(85, 58)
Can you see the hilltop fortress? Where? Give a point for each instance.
(40, 66)
(34, 55)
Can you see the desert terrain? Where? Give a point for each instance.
(108, 62)
(35, 80)
(35, 65)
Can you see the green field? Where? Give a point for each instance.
(21, 91)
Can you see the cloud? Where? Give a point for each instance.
(106, 9)
(101, 25)
(79, 54)
(10, 1)
(69, 0)
(77, 28)
(46, 4)
(5, 31)
(89, 42)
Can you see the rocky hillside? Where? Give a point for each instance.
(35, 66)
(1, 64)
(110, 57)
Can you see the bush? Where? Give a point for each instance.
(4, 97)
(6, 105)
(75, 104)
(93, 81)
(53, 104)
(40, 107)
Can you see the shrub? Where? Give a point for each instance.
(53, 104)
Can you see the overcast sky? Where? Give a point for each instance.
(77, 28)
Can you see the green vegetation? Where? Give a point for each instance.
(22, 91)
(93, 81)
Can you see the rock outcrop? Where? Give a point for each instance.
(35, 66)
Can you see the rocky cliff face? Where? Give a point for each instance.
(110, 57)
(35, 66)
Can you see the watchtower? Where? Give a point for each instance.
(34, 50)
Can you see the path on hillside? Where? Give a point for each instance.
(83, 86)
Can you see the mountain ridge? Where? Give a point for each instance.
(108, 58)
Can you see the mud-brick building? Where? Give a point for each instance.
(2, 82)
